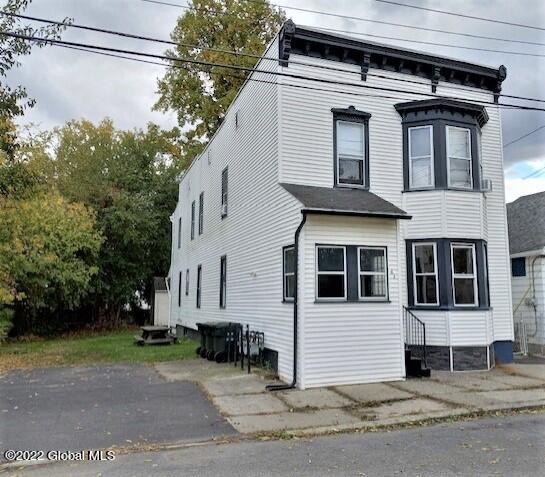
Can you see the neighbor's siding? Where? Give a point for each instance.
(261, 218)
(344, 343)
(521, 286)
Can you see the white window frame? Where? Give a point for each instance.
(470, 159)
(363, 273)
(287, 274)
(318, 273)
(472, 276)
(363, 158)
(411, 158)
(435, 272)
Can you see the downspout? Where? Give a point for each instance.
(282, 387)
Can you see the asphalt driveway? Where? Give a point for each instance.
(96, 407)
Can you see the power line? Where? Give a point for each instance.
(370, 20)
(524, 136)
(383, 37)
(240, 54)
(535, 173)
(253, 70)
(472, 17)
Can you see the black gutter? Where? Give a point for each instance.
(282, 387)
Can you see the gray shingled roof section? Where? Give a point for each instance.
(344, 201)
(526, 220)
(159, 284)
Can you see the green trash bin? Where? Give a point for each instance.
(218, 340)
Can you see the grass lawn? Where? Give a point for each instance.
(111, 347)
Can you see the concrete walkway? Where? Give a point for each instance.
(250, 409)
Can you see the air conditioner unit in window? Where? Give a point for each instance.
(223, 209)
(486, 185)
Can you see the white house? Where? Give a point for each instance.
(526, 218)
(353, 191)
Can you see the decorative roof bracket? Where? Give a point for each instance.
(284, 42)
(435, 78)
(365, 66)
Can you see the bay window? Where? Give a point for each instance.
(331, 272)
(425, 279)
(372, 273)
(459, 163)
(464, 277)
(421, 169)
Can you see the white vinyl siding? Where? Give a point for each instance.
(421, 167)
(459, 166)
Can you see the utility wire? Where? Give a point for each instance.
(524, 136)
(462, 15)
(252, 70)
(382, 37)
(370, 20)
(240, 54)
(535, 173)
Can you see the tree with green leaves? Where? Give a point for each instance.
(199, 94)
(48, 255)
(129, 179)
(14, 100)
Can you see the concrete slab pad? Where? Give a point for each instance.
(234, 385)
(531, 397)
(315, 398)
(405, 408)
(534, 370)
(246, 404)
(194, 370)
(376, 392)
(293, 420)
(426, 387)
(514, 381)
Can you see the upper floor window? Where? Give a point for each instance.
(192, 220)
(441, 147)
(351, 142)
(224, 179)
(350, 153)
(373, 282)
(421, 170)
(179, 232)
(459, 165)
(289, 273)
(187, 282)
(331, 272)
(201, 213)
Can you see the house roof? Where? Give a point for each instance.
(344, 201)
(526, 220)
(327, 44)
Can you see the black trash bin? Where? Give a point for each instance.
(218, 340)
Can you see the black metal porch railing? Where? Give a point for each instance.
(414, 331)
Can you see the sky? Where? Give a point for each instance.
(69, 84)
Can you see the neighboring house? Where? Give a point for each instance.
(348, 211)
(161, 302)
(526, 219)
